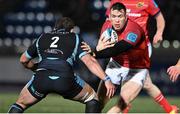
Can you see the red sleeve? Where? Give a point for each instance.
(106, 25)
(153, 8)
(133, 36)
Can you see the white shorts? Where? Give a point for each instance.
(120, 74)
(149, 49)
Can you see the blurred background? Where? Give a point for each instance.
(22, 21)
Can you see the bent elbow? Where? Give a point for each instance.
(23, 59)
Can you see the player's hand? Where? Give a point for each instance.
(35, 67)
(174, 72)
(110, 88)
(157, 38)
(104, 43)
(86, 47)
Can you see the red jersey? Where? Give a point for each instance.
(137, 57)
(138, 11)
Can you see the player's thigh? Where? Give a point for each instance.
(25, 98)
(130, 90)
(39, 84)
(148, 82)
(134, 83)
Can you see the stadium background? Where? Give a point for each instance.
(23, 20)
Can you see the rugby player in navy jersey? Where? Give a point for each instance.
(57, 50)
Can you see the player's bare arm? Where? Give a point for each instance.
(28, 63)
(86, 47)
(95, 68)
(160, 23)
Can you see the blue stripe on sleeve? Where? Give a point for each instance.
(155, 4)
(72, 58)
(76, 47)
(27, 55)
(38, 51)
(82, 54)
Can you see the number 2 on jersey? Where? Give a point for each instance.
(54, 43)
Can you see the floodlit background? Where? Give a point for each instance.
(22, 21)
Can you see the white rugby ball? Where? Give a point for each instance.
(110, 34)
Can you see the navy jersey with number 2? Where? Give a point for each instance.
(56, 50)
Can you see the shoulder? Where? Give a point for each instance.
(133, 26)
(133, 32)
(152, 3)
(62, 35)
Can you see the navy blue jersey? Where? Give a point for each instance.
(56, 50)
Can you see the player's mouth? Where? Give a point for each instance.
(117, 26)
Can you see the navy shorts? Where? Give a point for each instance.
(48, 81)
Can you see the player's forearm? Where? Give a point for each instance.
(118, 48)
(27, 63)
(95, 68)
(160, 23)
(32, 66)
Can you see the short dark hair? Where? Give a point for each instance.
(118, 6)
(64, 23)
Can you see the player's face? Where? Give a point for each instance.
(118, 18)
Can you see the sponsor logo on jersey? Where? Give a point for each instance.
(132, 37)
(140, 4)
(128, 10)
(54, 51)
(134, 14)
(130, 14)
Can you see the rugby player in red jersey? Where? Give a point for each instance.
(140, 11)
(130, 61)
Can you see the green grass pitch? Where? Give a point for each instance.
(56, 104)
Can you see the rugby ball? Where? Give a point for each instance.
(110, 34)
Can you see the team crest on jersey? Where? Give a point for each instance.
(140, 4)
(132, 37)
